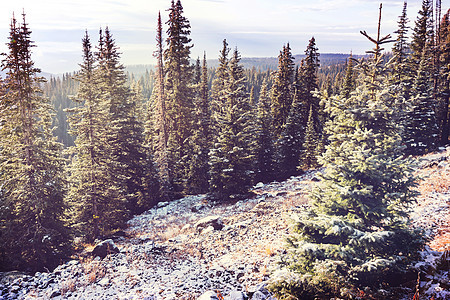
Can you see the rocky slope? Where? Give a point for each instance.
(190, 247)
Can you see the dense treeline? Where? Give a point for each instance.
(184, 128)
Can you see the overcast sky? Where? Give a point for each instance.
(259, 28)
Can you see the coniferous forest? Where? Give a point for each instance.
(82, 153)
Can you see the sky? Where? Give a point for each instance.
(258, 28)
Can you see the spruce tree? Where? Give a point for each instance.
(349, 80)
(290, 144)
(282, 90)
(401, 69)
(421, 128)
(311, 111)
(356, 234)
(444, 72)
(91, 187)
(198, 176)
(179, 96)
(423, 34)
(264, 154)
(127, 158)
(33, 235)
(231, 157)
(308, 83)
(218, 89)
(157, 119)
(311, 143)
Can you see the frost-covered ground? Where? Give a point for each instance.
(190, 247)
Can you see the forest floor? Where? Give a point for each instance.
(182, 249)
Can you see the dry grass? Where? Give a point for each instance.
(93, 270)
(68, 285)
(434, 180)
(270, 251)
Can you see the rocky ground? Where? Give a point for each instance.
(191, 248)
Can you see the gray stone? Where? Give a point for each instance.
(214, 221)
(104, 248)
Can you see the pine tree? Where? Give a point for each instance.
(179, 95)
(356, 235)
(32, 232)
(231, 156)
(282, 90)
(265, 165)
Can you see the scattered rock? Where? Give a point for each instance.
(162, 204)
(259, 185)
(55, 293)
(104, 281)
(198, 207)
(104, 248)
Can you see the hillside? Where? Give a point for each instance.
(190, 247)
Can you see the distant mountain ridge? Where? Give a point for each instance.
(259, 63)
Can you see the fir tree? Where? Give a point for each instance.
(356, 234)
(231, 156)
(32, 232)
(179, 95)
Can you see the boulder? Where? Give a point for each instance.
(104, 248)
(236, 295)
(262, 293)
(213, 221)
(208, 295)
